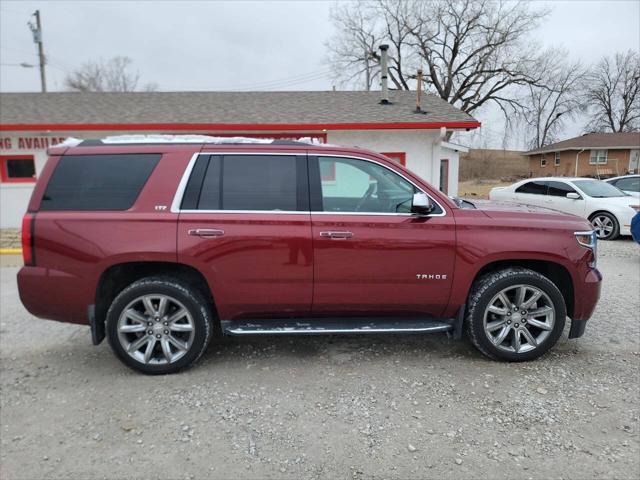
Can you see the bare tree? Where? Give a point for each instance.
(475, 51)
(547, 107)
(612, 94)
(114, 75)
(352, 51)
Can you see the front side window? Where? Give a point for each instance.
(328, 171)
(98, 182)
(559, 189)
(598, 157)
(535, 188)
(599, 189)
(245, 182)
(363, 186)
(17, 168)
(631, 184)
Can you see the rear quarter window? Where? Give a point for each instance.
(535, 188)
(98, 182)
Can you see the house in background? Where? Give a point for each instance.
(31, 122)
(591, 155)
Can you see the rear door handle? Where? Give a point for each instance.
(205, 232)
(337, 235)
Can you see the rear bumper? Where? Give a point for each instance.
(54, 295)
(586, 295)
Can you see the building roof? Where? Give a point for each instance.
(591, 141)
(225, 111)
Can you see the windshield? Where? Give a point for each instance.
(598, 189)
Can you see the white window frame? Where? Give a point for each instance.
(557, 159)
(543, 160)
(598, 158)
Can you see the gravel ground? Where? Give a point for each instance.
(10, 238)
(327, 407)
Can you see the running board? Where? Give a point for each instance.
(325, 326)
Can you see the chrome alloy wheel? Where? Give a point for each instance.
(519, 318)
(155, 329)
(603, 225)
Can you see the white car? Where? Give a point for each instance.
(628, 184)
(608, 208)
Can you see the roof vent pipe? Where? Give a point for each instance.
(384, 66)
(419, 92)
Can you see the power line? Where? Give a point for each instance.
(287, 79)
(24, 65)
(290, 84)
(55, 64)
(16, 12)
(24, 52)
(286, 82)
(271, 84)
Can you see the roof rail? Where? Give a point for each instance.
(182, 139)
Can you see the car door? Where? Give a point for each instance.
(531, 193)
(244, 223)
(557, 198)
(371, 255)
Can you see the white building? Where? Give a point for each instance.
(31, 122)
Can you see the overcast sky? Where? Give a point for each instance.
(255, 45)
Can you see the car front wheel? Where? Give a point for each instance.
(606, 225)
(515, 314)
(159, 325)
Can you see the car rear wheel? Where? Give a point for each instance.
(606, 225)
(515, 314)
(159, 325)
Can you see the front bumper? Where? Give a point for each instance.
(586, 296)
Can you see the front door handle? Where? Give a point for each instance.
(336, 235)
(205, 232)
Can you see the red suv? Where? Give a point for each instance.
(162, 246)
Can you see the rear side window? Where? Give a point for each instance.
(98, 182)
(559, 189)
(536, 188)
(244, 182)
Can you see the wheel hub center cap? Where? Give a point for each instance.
(516, 317)
(158, 328)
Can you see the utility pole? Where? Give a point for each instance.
(37, 38)
(367, 68)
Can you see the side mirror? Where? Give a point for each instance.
(421, 204)
(573, 196)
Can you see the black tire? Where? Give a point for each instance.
(192, 301)
(490, 285)
(615, 232)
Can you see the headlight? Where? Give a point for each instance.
(589, 240)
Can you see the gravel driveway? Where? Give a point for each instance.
(327, 407)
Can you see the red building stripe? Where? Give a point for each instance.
(234, 126)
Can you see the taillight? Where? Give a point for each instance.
(28, 255)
